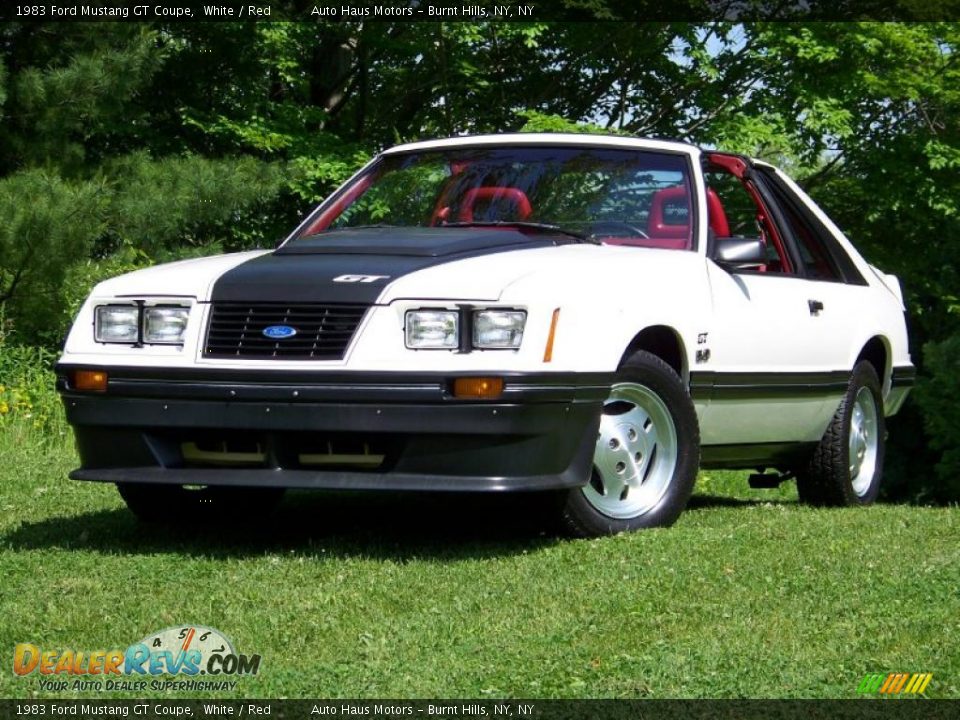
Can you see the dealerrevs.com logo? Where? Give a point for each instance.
(185, 652)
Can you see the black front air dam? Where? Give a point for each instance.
(542, 438)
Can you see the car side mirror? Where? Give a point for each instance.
(735, 253)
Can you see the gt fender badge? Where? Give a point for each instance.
(360, 278)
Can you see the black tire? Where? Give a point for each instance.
(827, 479)
(175, 504)
(652, 378)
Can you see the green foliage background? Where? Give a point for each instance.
(129, 144)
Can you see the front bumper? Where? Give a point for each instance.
(307, 429)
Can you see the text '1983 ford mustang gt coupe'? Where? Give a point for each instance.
(593, 316)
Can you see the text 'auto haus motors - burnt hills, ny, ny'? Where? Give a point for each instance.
(264, 11)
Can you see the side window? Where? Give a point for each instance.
(822, 256)
(816, 260)
(734, 209)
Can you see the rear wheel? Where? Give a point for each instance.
(847, 465)
(175, 504)
(646, 456)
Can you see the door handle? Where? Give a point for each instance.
(815, 306)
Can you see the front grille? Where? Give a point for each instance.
(323, 331)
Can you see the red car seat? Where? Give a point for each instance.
(494, 204)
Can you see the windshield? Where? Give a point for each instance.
(615, 196)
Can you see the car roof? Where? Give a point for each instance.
(572, 139)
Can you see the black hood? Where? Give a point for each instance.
(334, 267)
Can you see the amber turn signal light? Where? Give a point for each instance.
(477, 388)
(90, 380)
(548, 350)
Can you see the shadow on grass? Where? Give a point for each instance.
(705, 502)
(372, 525)
(395, 526)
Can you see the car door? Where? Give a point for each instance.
(771, 370)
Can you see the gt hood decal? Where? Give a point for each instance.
(313, 271)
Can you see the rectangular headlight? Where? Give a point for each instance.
(117, 324)
(165, 325)
(498, 329)
(432, 329)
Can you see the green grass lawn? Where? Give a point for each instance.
(749, 595)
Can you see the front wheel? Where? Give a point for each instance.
(177, 504)
(847, 465)
(646, 457)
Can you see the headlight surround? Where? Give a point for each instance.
(432, 329)
(498, 329)
(117, 324)
(165, 325)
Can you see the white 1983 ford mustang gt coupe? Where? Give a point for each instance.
(593, 315)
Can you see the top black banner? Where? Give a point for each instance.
(467, 11)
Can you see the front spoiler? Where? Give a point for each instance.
(573, 476)
(540, 434)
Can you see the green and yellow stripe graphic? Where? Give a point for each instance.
(895, 683)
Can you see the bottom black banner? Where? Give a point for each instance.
(867, 709)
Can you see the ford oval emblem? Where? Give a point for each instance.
(279, 332)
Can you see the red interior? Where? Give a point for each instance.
(670, 236)
(657, 225)
(716, 214)
(738, 168)
(511, 203)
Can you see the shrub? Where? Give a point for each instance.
(938, 398)
(27, 386)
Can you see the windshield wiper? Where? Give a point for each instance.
(542, 227)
